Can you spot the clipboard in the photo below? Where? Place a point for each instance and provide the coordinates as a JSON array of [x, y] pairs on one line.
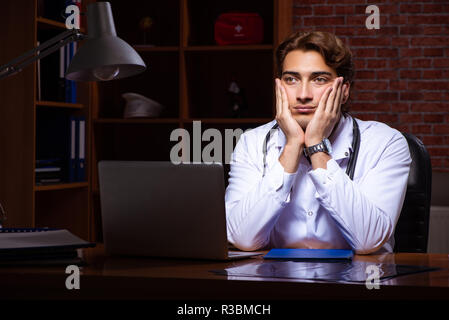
[[310, 254]]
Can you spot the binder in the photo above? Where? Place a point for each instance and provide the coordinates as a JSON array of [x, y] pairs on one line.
[[40, 246], [72, 152], [310, 254], [81, 163]]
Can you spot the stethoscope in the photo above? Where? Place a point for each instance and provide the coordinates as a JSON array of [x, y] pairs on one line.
[[352, 158]]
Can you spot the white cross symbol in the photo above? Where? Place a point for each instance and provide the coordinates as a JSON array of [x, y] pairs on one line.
[[238, 28]]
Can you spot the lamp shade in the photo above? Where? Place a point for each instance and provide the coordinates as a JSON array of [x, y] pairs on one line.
[[103, 56]]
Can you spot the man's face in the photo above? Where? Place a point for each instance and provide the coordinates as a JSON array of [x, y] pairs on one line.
[[305, 77]]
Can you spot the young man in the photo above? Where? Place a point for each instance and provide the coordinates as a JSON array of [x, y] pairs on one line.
[[288, 187]]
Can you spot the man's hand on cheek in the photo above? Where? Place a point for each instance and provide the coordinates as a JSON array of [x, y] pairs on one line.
[[326, 115]]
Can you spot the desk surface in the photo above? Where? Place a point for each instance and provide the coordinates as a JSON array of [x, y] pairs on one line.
[[147, 278]]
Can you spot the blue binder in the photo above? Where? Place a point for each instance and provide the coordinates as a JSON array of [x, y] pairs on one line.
[[81, 159], [73, 149], [310, 254]]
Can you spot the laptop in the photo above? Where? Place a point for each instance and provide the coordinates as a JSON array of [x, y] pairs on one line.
[[160, 209]]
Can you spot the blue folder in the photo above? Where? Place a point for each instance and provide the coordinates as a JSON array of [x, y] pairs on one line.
[[310, 254]]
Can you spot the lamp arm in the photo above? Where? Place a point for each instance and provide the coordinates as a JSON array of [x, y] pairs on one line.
[[17, 64]]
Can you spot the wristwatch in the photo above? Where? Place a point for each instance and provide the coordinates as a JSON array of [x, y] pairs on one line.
[[323, 146]]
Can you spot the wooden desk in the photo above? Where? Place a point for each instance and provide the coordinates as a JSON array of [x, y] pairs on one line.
[[184, 280]]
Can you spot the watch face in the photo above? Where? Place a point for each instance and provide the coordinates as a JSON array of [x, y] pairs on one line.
[[328, 145]]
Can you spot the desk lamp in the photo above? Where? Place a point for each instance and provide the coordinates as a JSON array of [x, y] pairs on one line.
[[102, 57]]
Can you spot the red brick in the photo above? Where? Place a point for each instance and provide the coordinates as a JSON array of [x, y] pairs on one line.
[[410, 8], [434, 118], [400, 107], [411, 95], [433, 140], [411, 118], [421, 63], [430, 41], [428, 85], [365, 74], [421, 128], [435, 8], [346, 1], [403, 62], [387, 96], [323, 21], [438, 151], [371, 85], [427, 19], [359, 63], [364, 96], [438, 63], [441, 129], [387, 52], [433, 96], [372, 42], [399, 42], [435, 30], [398, 85], [432, 74], [433, 52], [371, 107], [410, 74], [429, 107], [387, 118], [411, 30], [371, 63], [397, 19], [347, 10], [388, 31], [402, 127], [302, 2], [364, 52], [411, 52], [323, 10], [302, 11], [347, 31], [387, 74]]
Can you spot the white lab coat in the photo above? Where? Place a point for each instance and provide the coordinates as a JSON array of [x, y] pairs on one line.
[[318, 208]]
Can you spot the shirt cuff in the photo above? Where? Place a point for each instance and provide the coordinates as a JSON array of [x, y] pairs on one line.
[[282, 181], [324, 179]]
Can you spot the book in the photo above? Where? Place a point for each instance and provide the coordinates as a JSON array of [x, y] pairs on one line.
[[81, 159], [310, 254], [39, 245]]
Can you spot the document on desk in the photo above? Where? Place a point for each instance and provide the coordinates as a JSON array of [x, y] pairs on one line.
[[349, 271], [39, 244]]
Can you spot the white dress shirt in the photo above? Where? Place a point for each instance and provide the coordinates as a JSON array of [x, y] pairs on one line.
[[320, 208]]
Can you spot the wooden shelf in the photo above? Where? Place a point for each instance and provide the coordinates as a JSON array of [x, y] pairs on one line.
[[48, 23], [262, 47], [137, 121], [57, 104], [144, 48], [61, 186], [229, 120]]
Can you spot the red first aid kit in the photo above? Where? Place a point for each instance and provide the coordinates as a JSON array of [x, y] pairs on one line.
[[238, 28]]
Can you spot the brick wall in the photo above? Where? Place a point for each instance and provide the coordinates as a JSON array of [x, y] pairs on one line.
[[402, 69]]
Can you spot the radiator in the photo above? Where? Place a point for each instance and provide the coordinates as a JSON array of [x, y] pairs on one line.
[[438, 230]]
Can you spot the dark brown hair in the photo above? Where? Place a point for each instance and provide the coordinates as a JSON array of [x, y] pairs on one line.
[[335, 53]]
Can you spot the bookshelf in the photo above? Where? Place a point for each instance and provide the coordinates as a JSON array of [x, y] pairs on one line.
[[23, 116], [188, 73]]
